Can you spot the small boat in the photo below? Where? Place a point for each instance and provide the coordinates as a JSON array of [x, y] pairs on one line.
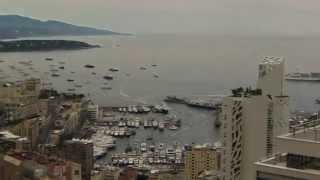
[[155, 75], [143, 147], [173, 127], [54, 70], [137, 124], [114, 69], [48, 59], [61, 67], [70, 80], [71, 89], [143, 68], [108, 77], [161, 126], [161, 109], [154, 65], [89, 66], [55, 75], [145, 124], [155, 124], [106, 88]]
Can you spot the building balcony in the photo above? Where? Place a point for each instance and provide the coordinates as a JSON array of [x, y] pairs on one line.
[[277, 168]]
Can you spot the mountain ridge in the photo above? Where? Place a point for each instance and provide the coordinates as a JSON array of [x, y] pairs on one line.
[[16, 26]]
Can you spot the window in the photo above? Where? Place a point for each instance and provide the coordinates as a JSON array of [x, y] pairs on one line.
[[76, 172]]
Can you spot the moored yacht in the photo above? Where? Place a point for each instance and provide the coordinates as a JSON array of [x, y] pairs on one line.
[[299, 76]]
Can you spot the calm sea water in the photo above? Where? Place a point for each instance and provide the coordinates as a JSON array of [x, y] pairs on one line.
[[187, 66]]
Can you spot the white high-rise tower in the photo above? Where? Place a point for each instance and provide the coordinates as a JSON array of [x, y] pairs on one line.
[[252, 119], [271, 76]]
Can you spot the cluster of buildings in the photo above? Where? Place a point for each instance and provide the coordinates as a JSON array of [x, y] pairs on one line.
[[35, 130], [30, 166]]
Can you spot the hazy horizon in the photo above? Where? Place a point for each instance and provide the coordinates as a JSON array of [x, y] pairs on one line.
[[276, 17]]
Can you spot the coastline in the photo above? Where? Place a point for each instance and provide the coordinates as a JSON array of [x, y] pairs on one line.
[[43, 45]]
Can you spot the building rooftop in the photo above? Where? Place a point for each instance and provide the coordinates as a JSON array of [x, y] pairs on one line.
[[271, 60], [305, 142]]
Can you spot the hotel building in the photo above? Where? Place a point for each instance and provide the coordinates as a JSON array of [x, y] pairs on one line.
[[251, 119]]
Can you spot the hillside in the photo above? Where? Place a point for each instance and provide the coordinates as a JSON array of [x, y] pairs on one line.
[[15, 26]]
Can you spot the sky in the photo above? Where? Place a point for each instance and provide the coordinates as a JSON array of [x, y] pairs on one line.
[[291, 17]]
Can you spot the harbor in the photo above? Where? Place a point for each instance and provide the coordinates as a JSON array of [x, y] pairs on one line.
[[156, 155], [147, 125]]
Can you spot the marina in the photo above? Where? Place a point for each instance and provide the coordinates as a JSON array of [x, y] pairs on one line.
[[156, 155]]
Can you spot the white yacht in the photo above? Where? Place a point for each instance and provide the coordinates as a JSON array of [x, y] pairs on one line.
[[299, 76]]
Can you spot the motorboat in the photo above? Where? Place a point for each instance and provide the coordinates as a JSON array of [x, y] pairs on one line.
[[114, 69], [108, 77], [55, 75], [89, 66]]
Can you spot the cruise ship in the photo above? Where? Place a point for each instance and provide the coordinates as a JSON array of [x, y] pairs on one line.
[[299, 76]]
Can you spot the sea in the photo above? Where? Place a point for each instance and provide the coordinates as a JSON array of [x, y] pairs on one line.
[[187, 65]]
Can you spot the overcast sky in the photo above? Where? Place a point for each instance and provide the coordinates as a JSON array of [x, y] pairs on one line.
[[178, 16]]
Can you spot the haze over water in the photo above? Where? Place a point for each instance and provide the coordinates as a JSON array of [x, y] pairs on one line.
[[187, 65]]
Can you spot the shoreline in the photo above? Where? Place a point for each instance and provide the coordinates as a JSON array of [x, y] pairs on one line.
[[43, 45]]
